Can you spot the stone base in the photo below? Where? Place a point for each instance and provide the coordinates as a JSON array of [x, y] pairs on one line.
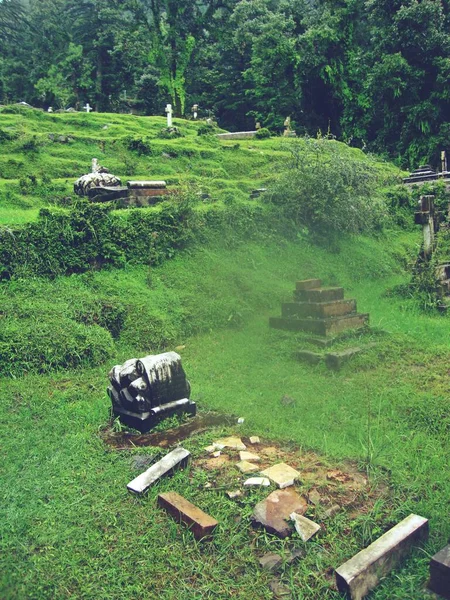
[[144, 422], [318, 310], [440, 573], [322, 327]]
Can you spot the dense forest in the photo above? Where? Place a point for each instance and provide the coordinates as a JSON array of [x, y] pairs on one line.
[[374, 73]]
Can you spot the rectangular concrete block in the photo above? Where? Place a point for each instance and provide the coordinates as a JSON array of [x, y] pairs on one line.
[[362, 573], [307, 284], [440, 573], [320, 294], [183, 511], [318, 310], [177, 458]]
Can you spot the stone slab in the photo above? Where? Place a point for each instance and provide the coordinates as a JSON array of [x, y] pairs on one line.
[[177, 458], [281, 474], [257, 481], [305, 528], [320, 294], [322, 327], [183, 511], [273, 512], [250, 456], [307, 284], [245, 466], [335, 360], [312, 358], [318, 310], [361, 574], [440, 573], [254, 439], [234, 443]]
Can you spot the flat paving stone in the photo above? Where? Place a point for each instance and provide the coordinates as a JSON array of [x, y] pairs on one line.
[[254, 439], [177, 458], [183, 511], [362, 573], [257, 481], [281, 474], [246, 467], [244, 455], [273, 512], [304, 526], [234, 443]]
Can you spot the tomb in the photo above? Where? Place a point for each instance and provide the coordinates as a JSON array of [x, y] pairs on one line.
[[440, 573], [318, 310], [145, 391]]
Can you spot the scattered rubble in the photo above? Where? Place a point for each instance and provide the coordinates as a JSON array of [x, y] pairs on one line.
[[272, 512], [234, 494], [254, 439], [305, 528], [246, 467], [314, 497], [244, 455], [257, 481], [281, 474], [234, 443]]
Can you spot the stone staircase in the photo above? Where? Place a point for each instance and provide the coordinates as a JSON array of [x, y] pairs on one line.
[[319, 310]]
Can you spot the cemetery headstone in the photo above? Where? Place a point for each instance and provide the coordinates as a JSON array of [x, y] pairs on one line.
[[169, 113]]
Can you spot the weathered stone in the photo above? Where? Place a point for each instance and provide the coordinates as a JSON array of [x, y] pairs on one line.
[[272, 512], [307, 284], [335, 360], [281, 474], [440, 573], [332, 511], [257, 481], [362, 573], [177, 458], [320, 294], [246, 467], [254, 439], [271, 561], [314, 497], [234, 443], [183, 511], [318, 310], [279, 590], [234, 494], [312, 358], [216, 454], [304, 527], [329, 326], [244, 455]]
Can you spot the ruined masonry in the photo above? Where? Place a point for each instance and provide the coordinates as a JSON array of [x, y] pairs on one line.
[[318, 310]]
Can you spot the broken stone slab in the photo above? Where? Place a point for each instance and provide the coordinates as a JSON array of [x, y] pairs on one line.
[[177, 458], [281, 474], [183, 511], [257, 481], [271, 561], [332, 511], [244, 455], [279, 590], [216, 454], [361, 574], [440, 573], [254, 439], [234, 443], [272, 512], [335, 360], [314, 497], [304, 526], [312, 358], [234, 494], [246, 467]]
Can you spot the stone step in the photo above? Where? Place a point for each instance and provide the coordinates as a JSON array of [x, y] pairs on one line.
[[308, 284], [321, 310], [319, 294], [323, 327]]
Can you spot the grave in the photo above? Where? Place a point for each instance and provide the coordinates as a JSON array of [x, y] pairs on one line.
[[145, 391], [318, 310], [440, 573]]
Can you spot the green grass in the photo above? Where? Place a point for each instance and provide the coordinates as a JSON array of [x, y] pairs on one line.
[[69, 528]]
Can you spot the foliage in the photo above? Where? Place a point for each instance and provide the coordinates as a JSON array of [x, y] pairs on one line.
[[140, 145], [262, 134], [207, 129], [326, 193], [167, 133]]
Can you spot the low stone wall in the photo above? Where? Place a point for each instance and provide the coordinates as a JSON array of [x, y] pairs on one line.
[[238, 135]]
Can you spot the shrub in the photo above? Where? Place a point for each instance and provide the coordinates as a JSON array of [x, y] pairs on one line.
[[168, 133], [207, 129], [262, 134], [139, 145], [326, 192]]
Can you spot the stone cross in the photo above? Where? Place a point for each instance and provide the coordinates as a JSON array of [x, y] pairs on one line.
[[94, 165], [88, 108], [444, 161], [169, 115], [195, 110]]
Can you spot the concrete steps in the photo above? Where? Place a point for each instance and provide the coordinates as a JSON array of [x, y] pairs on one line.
[[320, 311]]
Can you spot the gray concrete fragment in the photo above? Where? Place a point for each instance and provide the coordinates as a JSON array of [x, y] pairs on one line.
[[177, 457], [361, 574], [304, 527]]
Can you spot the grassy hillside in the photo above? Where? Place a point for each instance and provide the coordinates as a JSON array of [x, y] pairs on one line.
[[68, 527]]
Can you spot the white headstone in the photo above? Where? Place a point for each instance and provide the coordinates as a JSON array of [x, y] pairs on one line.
[[50, 109], [169, 115], [88, 108]]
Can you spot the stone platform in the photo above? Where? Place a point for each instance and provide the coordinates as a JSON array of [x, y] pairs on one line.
[[319, 310]]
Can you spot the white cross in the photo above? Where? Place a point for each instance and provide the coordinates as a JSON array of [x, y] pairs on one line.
[[94, 165], [88, 108], [169, 115]]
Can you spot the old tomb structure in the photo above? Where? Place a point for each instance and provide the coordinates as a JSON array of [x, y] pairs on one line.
[[102, 186], [145, 391], [318, 310], [440, 573], [425, 173]]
